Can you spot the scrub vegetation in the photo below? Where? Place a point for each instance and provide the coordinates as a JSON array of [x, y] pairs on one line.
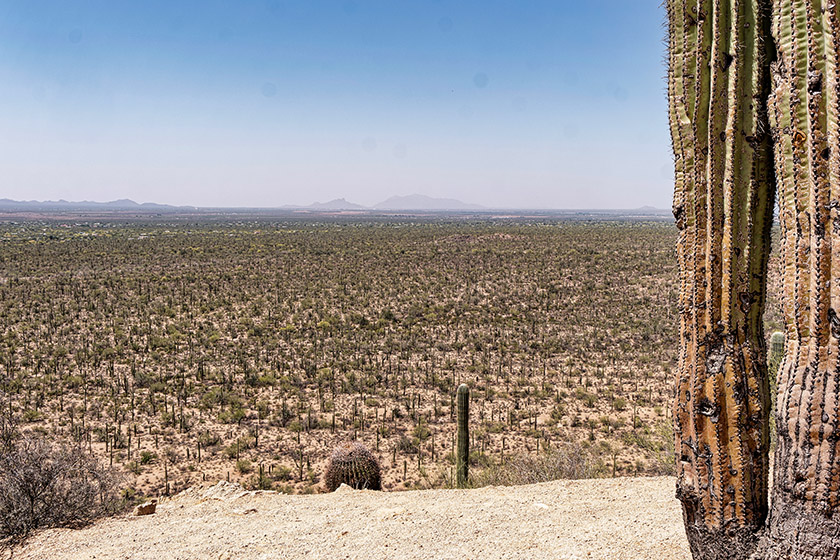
[[201, 350]]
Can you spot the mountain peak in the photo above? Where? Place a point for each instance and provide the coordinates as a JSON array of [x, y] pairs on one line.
[[424, 202], [336, 204]]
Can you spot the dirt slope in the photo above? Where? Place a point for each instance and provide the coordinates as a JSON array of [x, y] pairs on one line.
[[624, 518]]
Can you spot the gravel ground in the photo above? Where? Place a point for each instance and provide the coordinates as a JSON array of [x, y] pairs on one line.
[[622, 518]]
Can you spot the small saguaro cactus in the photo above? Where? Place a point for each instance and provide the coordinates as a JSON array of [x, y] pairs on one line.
[[777, 352], [462, 457], [354, 465]]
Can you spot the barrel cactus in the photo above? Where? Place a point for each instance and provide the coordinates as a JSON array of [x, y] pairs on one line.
[[354, 465]]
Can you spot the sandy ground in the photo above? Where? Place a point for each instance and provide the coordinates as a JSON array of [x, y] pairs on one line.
[[623, 518]]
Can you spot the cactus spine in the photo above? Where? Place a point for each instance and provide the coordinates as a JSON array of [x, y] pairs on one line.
[[462, 454], [718, 81], [804, 107]]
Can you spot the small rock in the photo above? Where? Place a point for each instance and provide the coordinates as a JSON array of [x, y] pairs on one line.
[[344, 488], [147, 508], [245, 511]]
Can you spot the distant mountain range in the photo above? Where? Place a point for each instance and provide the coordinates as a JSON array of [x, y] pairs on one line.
[[422, 202], [332, 205], [123, 204], [414, 202], [337, 204], [410, 203]]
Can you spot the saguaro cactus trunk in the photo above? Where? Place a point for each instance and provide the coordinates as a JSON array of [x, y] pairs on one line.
[[718, 82], [805, 102]]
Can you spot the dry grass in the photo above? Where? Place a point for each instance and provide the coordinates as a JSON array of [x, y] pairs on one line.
[[567, 462]]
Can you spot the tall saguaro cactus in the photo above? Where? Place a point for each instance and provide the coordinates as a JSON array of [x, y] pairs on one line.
[[462, 455], [723, 204], [805, 106]]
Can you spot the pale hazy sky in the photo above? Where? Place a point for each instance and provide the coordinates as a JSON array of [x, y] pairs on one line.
[[538, 103]]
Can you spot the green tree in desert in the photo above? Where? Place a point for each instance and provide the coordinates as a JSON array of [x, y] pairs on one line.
[[753, 91]]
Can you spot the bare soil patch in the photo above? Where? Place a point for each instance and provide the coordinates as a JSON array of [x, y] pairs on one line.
[[622, 518]]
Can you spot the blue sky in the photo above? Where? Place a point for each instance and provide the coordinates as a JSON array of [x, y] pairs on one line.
[[542, 103]]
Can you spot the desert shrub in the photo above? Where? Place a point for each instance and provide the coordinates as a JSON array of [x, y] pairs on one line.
[[282, 472], [243, 443], [172, 456], [259, 482], [143, 379], [659, 442], [44, 484], [354, 465], [32, 415], [147, 457], [495, 427], [209, 439], [168, 419], [572, 461], [234, 415], [407, 446], [422, 432]]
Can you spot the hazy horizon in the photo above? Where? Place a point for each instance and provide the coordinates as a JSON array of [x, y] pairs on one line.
[[315, 203], [278, 103]]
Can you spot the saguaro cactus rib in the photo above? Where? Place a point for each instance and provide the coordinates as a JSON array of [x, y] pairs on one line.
[[805, 521], [723, 207]]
